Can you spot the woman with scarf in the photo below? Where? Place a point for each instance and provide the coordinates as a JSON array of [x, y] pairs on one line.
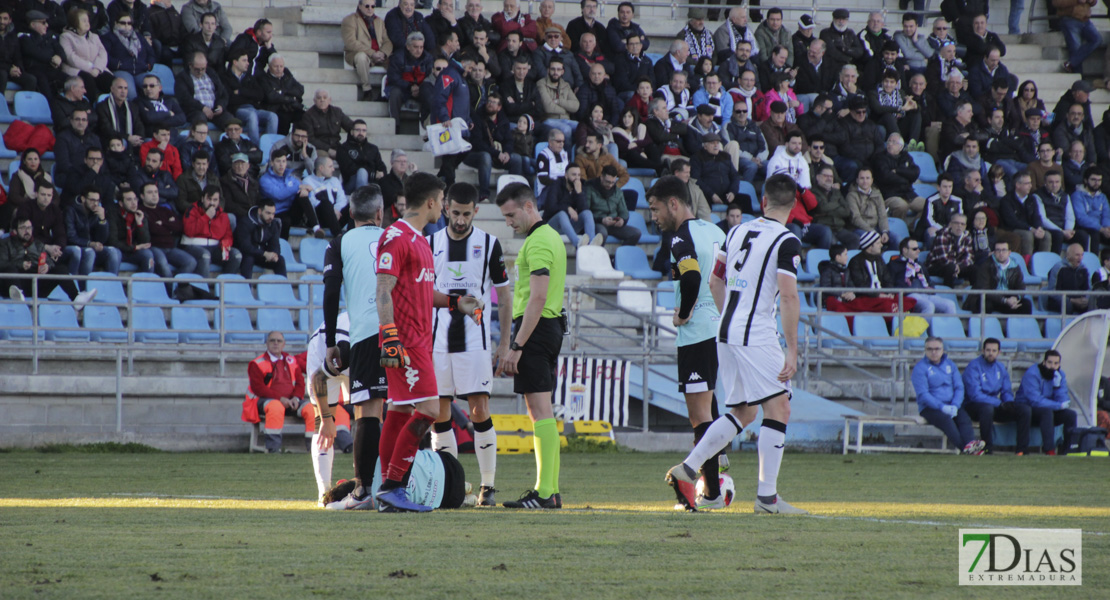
[[129, 54], [982, 238], [748, 93], [24, 185], [888, 105], [781, 91], [129, 231], [85, 55], [633, 144], [1026, 98], [941, 66]]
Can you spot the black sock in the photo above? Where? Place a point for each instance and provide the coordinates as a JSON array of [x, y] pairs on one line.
[[484, 425], [368, 433], [443, 427], [709, 469]]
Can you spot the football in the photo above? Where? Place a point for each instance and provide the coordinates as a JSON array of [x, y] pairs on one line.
[[728, 488]]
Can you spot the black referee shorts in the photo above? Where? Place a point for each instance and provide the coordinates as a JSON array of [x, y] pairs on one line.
[[539, 358], [367, 374], [697, 367]]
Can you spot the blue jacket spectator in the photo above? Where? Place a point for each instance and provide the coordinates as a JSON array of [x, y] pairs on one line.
[[1092, 211], [725, 102], [940, 397], [987, 383], [282, 189], [405, 69], [452, 97], [1044, 388], [1040, 392]]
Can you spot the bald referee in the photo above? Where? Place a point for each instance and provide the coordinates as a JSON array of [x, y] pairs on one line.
[[541, 275], [350, 262]]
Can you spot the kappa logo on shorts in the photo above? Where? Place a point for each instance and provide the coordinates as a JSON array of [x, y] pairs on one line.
[[411, 376], [695, 376], [356, 383]]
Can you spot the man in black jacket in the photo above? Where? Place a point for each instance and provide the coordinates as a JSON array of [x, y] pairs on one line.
[[239, 189], [519, 92], [42, 53], [895, 174], [208, 42], [11, 57], [630, 67], [714, 172], [282, 94], [69, 150], [258, 42], [257, 238], [816, 75], [167, 29], [493, 145], [234, 143], [856, 138], [360, 162], [119, 117]]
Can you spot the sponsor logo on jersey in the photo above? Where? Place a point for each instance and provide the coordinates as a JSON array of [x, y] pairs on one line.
[[411, 376], [385, 261], [428, 275], [457, 273], [737, 282]]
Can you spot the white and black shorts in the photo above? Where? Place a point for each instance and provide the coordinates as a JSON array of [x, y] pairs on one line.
[[697, 367], [462, 374], [367, 374], [751, 373]]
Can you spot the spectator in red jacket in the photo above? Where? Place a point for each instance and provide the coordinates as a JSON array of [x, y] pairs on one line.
[[513, 19], [276, 389], [208, 234]]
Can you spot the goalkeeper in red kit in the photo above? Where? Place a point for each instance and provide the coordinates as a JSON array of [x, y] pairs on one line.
[[406, 296]]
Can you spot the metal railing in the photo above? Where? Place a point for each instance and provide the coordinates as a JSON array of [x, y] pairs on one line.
[[789, 7]]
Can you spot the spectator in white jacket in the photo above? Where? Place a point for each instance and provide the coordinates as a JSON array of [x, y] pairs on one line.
[[327, 195], [789, 160]]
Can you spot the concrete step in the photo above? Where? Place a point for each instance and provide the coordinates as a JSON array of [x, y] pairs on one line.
[[1025, 68]]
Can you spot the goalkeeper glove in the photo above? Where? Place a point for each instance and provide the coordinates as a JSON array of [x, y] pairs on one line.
[[394, 354]]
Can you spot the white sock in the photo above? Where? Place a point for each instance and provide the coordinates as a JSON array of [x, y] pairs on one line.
[[321, 465], [487, 456], [771, 443], [719, 435], [445, 442]]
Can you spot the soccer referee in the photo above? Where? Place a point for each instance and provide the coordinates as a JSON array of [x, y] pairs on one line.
[[541, 273]]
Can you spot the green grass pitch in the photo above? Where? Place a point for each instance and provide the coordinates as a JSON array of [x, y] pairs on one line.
[[75, 525]]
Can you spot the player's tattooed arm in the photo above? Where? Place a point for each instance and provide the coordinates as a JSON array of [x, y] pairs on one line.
[[384, 296]]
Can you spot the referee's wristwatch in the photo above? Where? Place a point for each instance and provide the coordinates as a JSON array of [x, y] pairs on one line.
[[515, 347]]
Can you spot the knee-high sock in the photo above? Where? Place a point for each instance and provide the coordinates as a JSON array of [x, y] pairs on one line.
[[443, 439], [547, 455], [321, 463], [391, 428], [558, 463], [408, 442], [485, 448], [719, 435], [709, 470], [368, 434], [772, 440]]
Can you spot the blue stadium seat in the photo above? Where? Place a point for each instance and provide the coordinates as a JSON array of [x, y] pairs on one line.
[[888, 255], [279, 319], [1052, 328], [654, 56], [56, 318], [33, 108], [749, 189], [927, 165], [105, 318], [107, 292], [539, 148], [149, 292], [993, 329], [636, 220], [236, 291], [1043, 263], [814, 257], [640, 172], [292, 265], [165, 75], [312, 253], [295, 232], [191, 323], [150, 326], [898, 228], [316, 291], [308, 324], [268, 140], [16, 323], [836, 324], [951, 329], [13, 168], [872, 328], [4, 152], [924, 189], [238, 328], [634, 263], [665, 297], [641, 194], [1028, 332], [6, 115], [1030, 279], [277, 293], [1090, 260], [185, 279]]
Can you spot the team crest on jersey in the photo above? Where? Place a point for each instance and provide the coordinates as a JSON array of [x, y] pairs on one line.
[[797, 261], [476, 252], [385, 261]]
